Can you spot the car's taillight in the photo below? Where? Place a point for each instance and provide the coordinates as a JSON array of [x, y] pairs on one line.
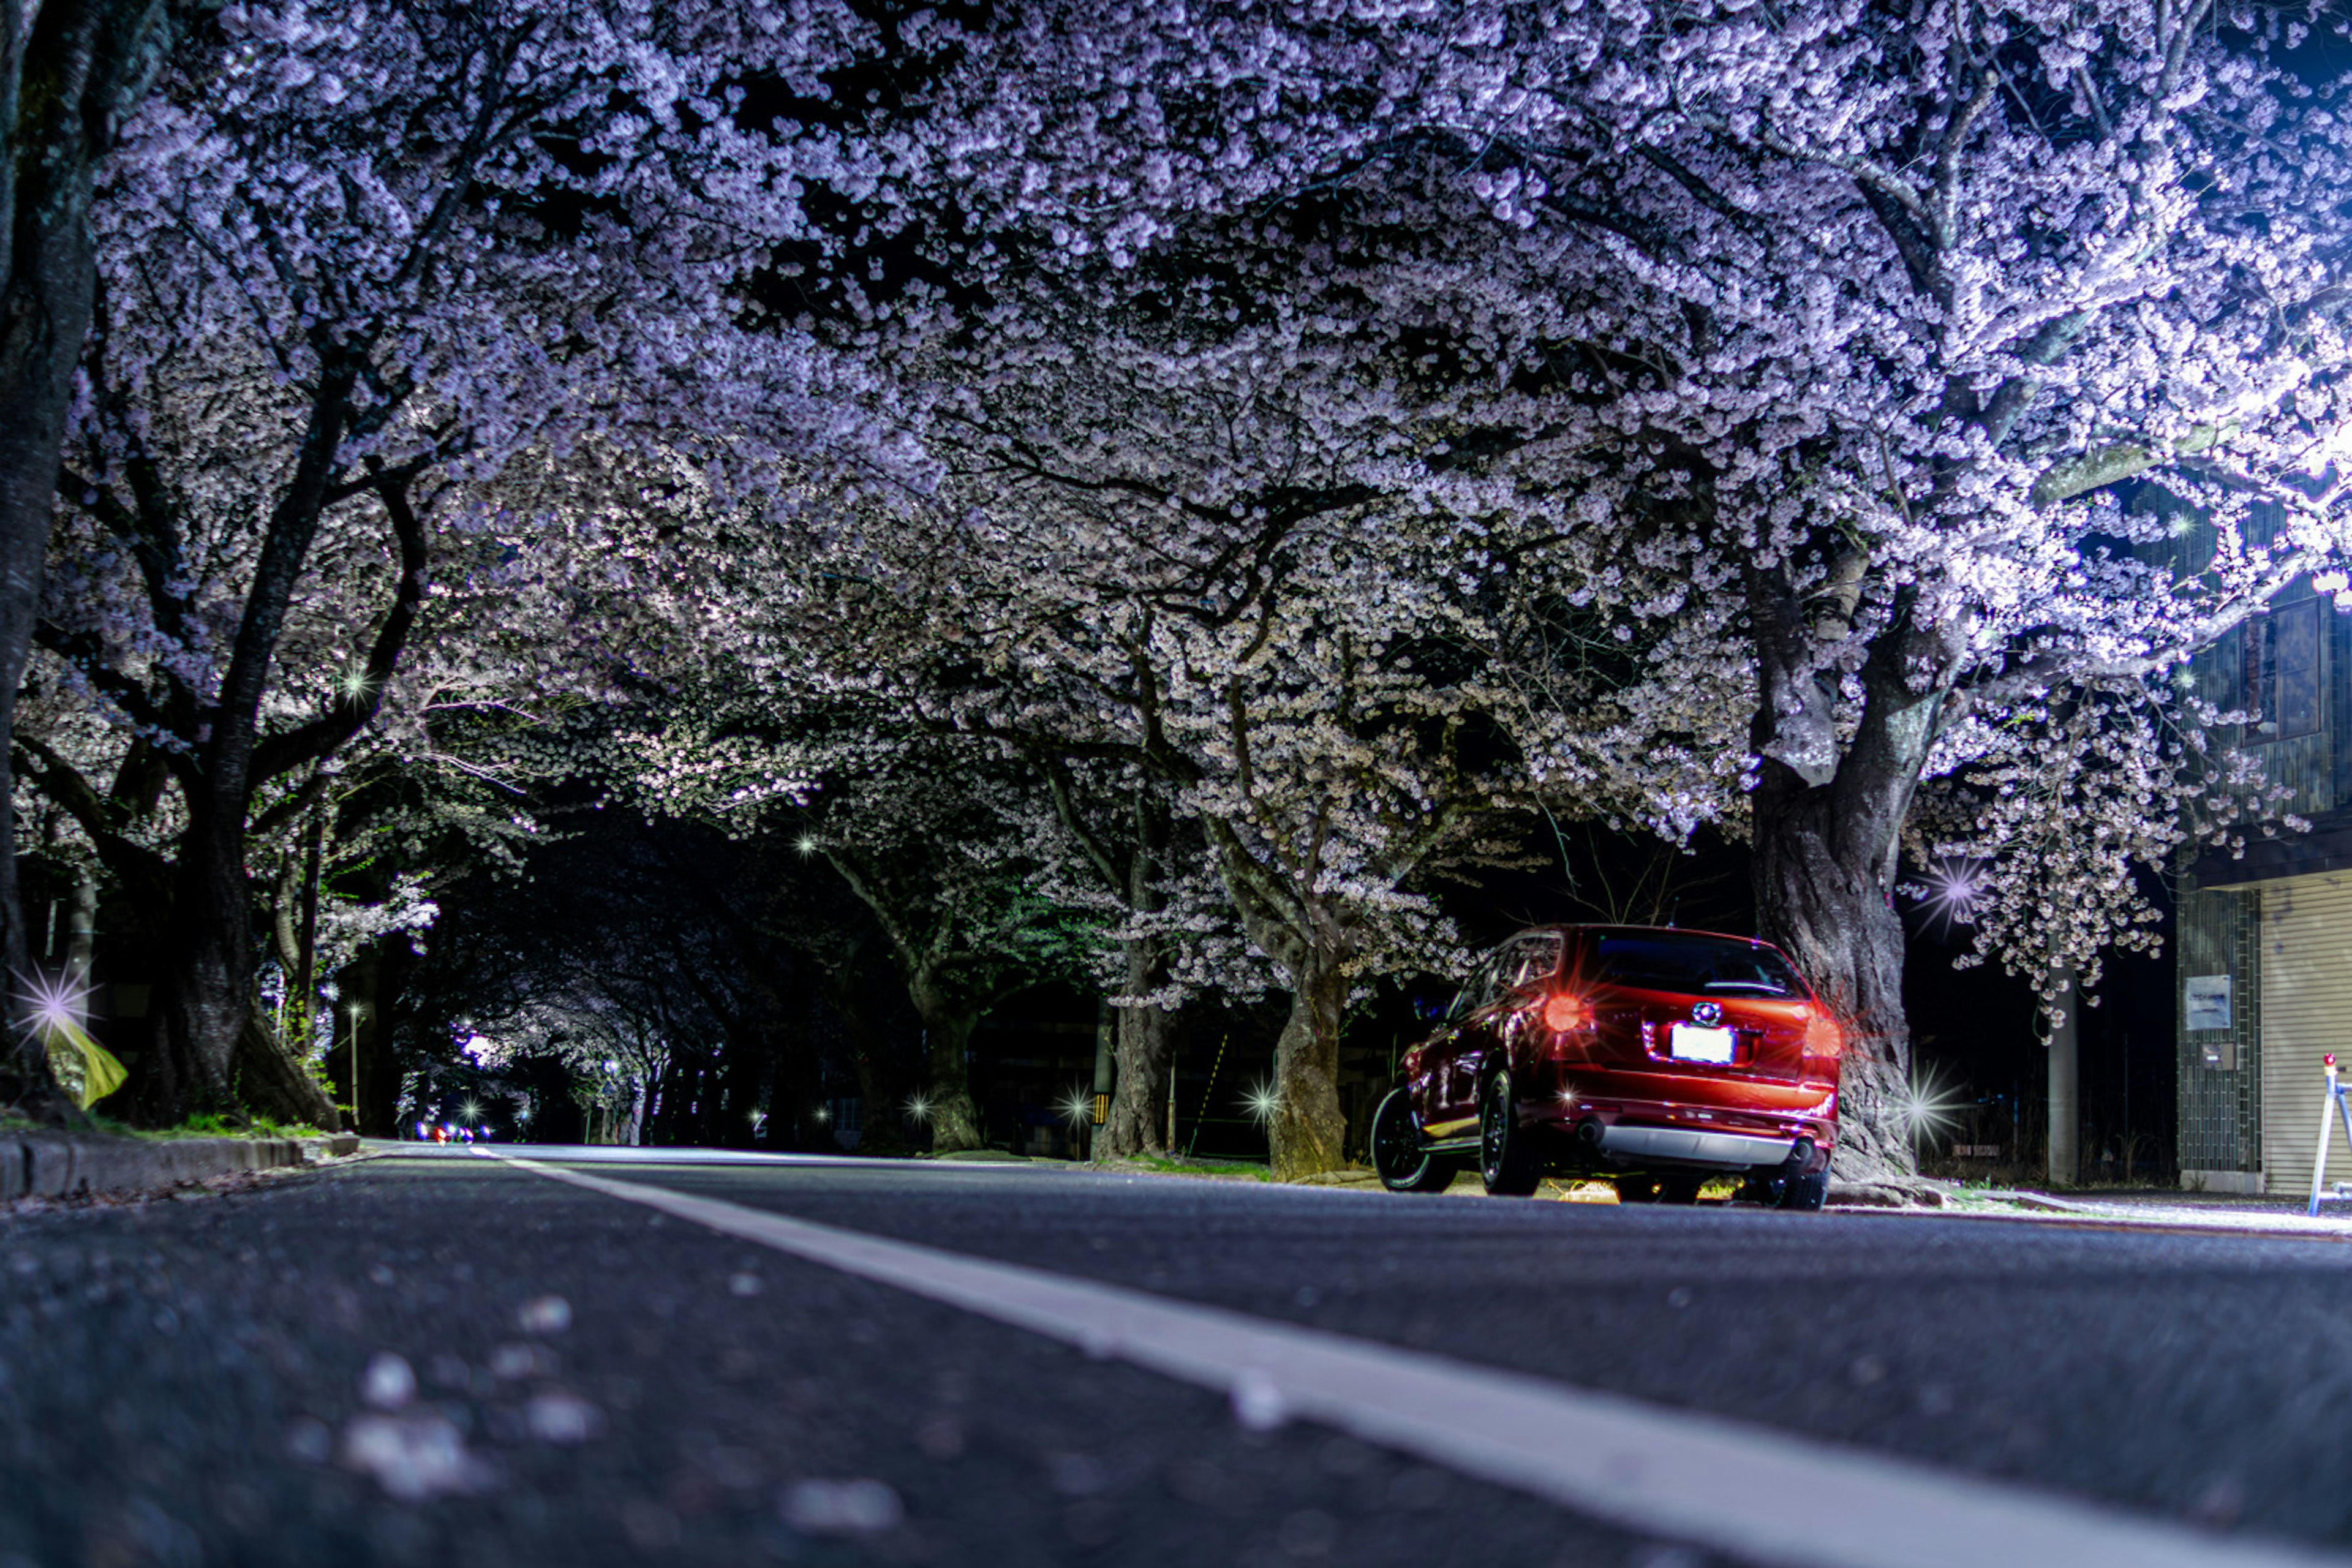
[[1822, 1037], [1564, 1011]]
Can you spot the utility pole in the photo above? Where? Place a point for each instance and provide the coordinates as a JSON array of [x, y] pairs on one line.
[[1106, 1069], [2065, 1082]]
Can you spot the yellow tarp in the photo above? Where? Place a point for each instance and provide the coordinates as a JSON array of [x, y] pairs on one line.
[[81, 1064]]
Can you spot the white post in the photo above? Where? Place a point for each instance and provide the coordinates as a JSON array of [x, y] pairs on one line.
[[352, 1011], [2065, 1104], [2327, 1120]]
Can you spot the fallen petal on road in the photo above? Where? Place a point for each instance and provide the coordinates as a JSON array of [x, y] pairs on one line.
[[842, 1508], [545, 1315], [389, 1383], [557, 1415], [414, 1456], [516, 1362]]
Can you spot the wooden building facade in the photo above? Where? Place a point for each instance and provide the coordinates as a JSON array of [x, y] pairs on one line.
[[2264, 952]]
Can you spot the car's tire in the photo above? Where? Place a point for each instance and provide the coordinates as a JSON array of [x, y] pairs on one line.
[[1637, 1189], [1681, 1187], [1806, 1194], [1508, 1162], [1404, 1165]]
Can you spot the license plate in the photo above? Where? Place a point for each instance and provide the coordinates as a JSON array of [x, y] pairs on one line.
[[1689, 1043]]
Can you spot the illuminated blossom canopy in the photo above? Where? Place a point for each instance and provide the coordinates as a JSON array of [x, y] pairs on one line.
[[1335, 425], [1854, 363], [398, 304]]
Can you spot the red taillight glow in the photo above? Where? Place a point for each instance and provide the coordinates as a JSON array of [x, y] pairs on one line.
[[1563, 1012], [1822, 1038]]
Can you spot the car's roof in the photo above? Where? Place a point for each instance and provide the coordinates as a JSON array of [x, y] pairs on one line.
[[1615, 930]]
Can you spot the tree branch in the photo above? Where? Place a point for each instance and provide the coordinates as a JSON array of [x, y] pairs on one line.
[[358, 702]]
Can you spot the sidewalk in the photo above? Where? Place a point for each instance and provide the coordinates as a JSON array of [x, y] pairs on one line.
[[2153, 1208], [37, 1165]]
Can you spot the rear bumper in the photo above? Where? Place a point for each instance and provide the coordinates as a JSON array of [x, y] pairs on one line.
[[1688, 1146], [1718, 1124]]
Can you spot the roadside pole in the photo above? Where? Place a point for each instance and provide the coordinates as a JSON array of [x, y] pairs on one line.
[[1106, 1070], [2065, 1099], [351, 1011]]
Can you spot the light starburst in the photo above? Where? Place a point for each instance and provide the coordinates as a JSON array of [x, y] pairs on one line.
[[1261, 1100], [919, 1106], [1952, 890], [1926, 1106], [54, 1003], [1076, 1106]]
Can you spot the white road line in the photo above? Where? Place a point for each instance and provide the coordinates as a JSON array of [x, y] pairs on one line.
[[1748, 1491], [630, 1154]]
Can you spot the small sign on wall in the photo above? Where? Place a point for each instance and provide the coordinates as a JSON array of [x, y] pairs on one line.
[[2207, 1001]]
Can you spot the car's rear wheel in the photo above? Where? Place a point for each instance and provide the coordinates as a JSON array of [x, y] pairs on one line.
[[1507, 1162], [1404, 1165], [1806, 1194]]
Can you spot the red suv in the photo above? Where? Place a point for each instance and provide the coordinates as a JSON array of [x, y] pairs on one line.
[[1657, 1056]]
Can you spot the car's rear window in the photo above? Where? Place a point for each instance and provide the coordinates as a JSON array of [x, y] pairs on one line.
[[1700, 966]]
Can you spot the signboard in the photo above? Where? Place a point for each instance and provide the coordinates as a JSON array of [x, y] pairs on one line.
[[2207, 1003]]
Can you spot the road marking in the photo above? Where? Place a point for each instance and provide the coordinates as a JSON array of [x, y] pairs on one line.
[[627, 1155], [1748, 1491]]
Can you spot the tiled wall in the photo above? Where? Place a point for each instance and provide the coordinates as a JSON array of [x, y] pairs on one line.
[[2220, 1108]]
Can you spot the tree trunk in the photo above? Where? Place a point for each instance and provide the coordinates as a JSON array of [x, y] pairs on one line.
[[948, 1023], [1307, 1134], [271, 1080], [1827, 822], [207, 988], [1146, 1048], [1835, 918], [65, 88]]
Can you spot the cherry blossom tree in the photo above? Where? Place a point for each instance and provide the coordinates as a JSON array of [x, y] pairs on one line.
[[1827, 343], [71, 73], [2073, 250], [351, 265], [1187, 545]]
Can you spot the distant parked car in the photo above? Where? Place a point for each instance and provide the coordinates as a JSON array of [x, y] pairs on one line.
[[1659, 1058]]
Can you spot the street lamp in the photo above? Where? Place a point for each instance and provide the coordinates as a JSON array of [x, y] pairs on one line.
[[1078, 1109]]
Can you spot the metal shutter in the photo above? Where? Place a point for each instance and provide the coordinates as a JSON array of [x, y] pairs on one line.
[[2306, 979]]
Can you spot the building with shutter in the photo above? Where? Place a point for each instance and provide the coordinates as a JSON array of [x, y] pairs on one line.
[[2264, 949]]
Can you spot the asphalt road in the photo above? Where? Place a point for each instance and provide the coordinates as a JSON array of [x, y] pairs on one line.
[[440, 1358]]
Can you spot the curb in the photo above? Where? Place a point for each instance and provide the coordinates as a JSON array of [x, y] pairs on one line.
[[60, 1165]]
